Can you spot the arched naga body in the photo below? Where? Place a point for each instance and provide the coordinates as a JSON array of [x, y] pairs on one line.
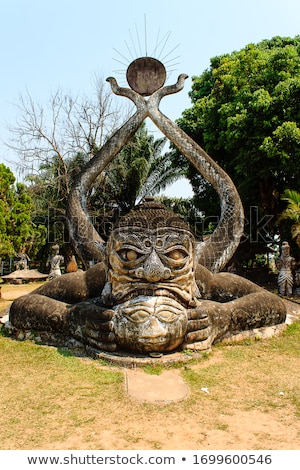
[[153, 288]]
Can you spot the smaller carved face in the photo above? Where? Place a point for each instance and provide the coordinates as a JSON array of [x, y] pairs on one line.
[[150, 324]]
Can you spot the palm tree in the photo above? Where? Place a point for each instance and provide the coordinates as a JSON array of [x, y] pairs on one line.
[[292, 212], [140, 170]]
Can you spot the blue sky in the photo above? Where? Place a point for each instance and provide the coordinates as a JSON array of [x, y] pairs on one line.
[[51, 44]]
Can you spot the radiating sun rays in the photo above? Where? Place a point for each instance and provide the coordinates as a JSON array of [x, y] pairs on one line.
[[143, 42]]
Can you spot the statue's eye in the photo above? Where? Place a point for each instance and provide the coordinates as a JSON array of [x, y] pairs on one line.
[[177, 254], [128, 255], [138, 317], [167, 316]]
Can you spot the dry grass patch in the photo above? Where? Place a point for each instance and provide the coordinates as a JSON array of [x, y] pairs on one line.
[[53, 400]]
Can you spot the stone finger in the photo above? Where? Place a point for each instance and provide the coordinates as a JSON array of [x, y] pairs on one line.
[[98, 345], [198, 335], [198, 324], [97, 326], [99, 335], [196, 314]]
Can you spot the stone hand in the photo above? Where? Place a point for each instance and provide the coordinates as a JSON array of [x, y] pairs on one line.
[[92, 325], [199, 330]]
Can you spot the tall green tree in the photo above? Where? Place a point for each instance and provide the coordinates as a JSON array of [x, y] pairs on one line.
[[246, 114], [7, 180], [17, 229]]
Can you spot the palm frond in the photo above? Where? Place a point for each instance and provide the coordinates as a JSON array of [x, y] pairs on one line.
[[291, 196], [292, 211]]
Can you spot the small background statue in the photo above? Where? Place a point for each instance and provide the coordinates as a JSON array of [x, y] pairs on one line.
[[54, 262], [286, 265], [231, 269], [22, 262], [71, 265], [297, 282]]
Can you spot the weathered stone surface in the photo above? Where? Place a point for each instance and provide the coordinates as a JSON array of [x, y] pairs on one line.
[[155, 289], [149, 297], [146, 75]]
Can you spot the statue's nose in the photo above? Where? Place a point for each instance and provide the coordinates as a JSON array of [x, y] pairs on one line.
[[153, 329], [154, 270]]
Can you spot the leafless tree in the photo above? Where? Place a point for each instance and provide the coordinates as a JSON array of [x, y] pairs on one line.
[[63, 127]]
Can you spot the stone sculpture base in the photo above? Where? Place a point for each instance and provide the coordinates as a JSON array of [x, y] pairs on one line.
[[21, 276], [134, 360]]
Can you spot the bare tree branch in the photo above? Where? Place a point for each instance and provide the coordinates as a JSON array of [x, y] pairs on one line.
[[63, 127]]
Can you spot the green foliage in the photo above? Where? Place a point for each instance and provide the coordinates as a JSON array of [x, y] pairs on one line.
[[246, 114], [140, 169], [293, 208], [49, 188], [7, 180], [292, 212], [17, 230]]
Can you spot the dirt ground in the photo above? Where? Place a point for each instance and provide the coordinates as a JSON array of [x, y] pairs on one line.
[[13, 291], [237, 428]]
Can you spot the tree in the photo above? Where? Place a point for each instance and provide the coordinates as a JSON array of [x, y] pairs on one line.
[[292, 212], [53, 142], [49, 192], [246, 114], [17, 230], [7, 180], [140, 170], [64, 127], [57, 142]]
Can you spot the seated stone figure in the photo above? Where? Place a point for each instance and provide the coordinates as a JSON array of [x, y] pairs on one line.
[[150, 295], [154, 288], [22, 260]]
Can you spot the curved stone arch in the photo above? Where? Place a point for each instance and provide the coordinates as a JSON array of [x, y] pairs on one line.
[[219, 247]]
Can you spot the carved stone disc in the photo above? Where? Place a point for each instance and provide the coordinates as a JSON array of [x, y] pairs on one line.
[[146, 75]]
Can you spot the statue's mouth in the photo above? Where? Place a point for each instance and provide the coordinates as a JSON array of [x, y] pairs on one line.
[[153, 293]]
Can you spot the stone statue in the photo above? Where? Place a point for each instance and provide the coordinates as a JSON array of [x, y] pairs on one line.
[[231, 269], [151, 294], [286, 265], [71, 265], [23, 259], [297, 282], [54, 261], [154, 288]]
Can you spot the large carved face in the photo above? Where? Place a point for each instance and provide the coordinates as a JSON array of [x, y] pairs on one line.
[[152, 281]]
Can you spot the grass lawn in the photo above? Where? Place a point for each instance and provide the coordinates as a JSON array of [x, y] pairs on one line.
[[53, 400]]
